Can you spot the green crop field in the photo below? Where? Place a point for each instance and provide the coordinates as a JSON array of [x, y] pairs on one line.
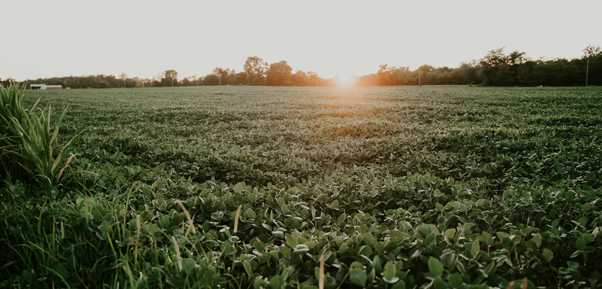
[[394, 187]]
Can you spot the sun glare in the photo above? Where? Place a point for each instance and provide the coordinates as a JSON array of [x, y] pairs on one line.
[[344, 80]]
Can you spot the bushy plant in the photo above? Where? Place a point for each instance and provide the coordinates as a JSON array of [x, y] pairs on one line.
[[30, 143]]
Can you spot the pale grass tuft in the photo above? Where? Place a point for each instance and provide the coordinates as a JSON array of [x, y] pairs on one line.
[[68, 161], [138, 227], [236, 219], [175, 244], [321, 282], [187, 217]]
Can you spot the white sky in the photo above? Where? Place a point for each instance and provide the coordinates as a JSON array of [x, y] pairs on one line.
[[144, 38]]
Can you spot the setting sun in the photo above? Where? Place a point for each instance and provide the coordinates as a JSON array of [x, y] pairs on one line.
[[344, 80]]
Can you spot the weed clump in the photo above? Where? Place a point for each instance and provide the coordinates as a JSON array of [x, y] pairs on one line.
[[30, 147]]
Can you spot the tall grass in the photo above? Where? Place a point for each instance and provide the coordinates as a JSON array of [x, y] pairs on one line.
[[30, 144]]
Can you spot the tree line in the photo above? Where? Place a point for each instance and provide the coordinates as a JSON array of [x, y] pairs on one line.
[[499, 69], [495, 69], [256, 72]]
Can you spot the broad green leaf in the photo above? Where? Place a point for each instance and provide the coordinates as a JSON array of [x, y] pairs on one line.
[[438, 283], [341, 218], [448, 258], [547, 254], [358, 277], [291, 241], [368, 238], [467, 228], [278, 234], [455, 280], [389, 273], [399, 285], [586, 207], [258, 283], [398, 236], [435, 267], [239, 187], [430, 238], [188, 265], [216, 216], [531, 245], [259, 246], [247, 265], [474, 250], [501, 235], [363, 229], [537, 239], [251, 214], [334, 204], [487, 239], [377, 265], [277, 282], [449, 233], [580, 244]]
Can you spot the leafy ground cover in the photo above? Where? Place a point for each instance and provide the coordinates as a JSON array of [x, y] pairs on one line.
[[397, 187]]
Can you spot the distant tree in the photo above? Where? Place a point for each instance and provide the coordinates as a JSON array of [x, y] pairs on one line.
[[468, 72], [223, 75], [592, 50], [256, 69], [170, 77], [211, 79], [123, 77], [238, 78], [385, 75], [279, 74], [314, 80], [593, 71], [300, 78], [497, 67]]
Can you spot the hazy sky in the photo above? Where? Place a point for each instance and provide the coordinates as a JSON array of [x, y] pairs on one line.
[[143, 38]]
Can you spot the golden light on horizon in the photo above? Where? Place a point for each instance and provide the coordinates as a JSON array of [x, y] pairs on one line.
[[345, 80]]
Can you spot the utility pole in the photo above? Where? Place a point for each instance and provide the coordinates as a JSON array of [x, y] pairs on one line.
[[587, 70], [419, 72]]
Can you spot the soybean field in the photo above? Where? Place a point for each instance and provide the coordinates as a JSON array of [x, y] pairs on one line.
[[290, 187]]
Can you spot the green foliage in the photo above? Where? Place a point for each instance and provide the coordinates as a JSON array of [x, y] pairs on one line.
[[30, 142], [396, 188]]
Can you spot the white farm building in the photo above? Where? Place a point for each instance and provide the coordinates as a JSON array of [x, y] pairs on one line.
[[44, 86]]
